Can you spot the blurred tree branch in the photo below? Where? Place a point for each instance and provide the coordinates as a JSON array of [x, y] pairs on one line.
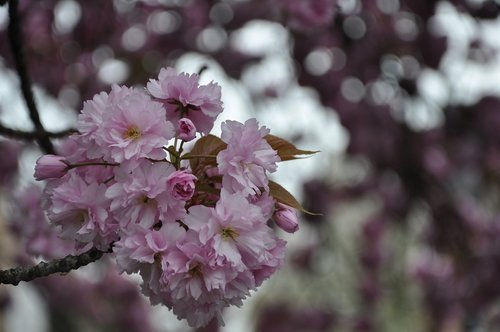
[[15, 275], [28, 135], [16, 42]]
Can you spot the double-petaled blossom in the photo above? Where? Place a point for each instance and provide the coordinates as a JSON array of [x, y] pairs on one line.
[[184, 97], [143, 250], [235, 229], [201, 284], [124, 126], [81, 209], [247, 157], [89, 121], [142, 196], [230, 252]]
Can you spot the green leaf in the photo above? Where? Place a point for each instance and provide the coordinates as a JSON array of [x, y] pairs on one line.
[[209, 145], [286, 150], [283, 196]]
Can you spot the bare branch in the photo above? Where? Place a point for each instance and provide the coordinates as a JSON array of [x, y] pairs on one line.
[[43, 269], [16, 42], [28, 135]]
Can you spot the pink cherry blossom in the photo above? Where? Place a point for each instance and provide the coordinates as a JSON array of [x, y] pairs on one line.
[[130, 127], [181, 185], [81, 210], [199, 285], [274, 256], [247, 157], [50, 166], [233, 228], [139, 248], [266, 203], [142, 196], [184, 97], [89, 121]]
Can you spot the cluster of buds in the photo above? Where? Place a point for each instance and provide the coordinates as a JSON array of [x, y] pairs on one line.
[[196, 224]]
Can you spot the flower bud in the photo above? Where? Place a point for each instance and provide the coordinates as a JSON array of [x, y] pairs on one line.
[[286, 218], [186, 130], [50, 166], [181, 185]]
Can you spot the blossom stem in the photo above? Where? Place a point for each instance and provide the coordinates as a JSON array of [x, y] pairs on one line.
[[91, 163], [194, 156], [158, 160], [15, 275]]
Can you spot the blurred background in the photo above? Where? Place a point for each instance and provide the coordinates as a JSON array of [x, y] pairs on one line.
[[400, 96]]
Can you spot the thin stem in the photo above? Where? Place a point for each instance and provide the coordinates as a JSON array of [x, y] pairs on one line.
[[92, 163], [43, 269], [181, 147], [158, 160], [202, 69], [194, 156], [16, 42]]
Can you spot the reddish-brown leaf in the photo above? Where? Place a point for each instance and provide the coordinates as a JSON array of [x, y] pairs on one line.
[[285, 149], [209, 145], [283, 196]]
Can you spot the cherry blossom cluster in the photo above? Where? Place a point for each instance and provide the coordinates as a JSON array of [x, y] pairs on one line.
[[196, 224]]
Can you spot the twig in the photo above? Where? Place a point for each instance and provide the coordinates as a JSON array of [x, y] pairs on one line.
[[202, 69], [43, 269], [28, 135], [16, 42]]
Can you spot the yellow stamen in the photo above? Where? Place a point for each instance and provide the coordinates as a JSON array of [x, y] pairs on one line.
[[195, 271], [228, 232], [143, 199], [132, 133]]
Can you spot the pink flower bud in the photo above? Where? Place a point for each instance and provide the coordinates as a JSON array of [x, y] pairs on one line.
[[186, 129], [286, 218], [181, 185], [50, 166], [212, 171]]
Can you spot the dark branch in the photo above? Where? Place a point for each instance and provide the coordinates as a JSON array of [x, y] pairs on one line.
[[28, 135], [202, 69], [16, 42], [43, 269]]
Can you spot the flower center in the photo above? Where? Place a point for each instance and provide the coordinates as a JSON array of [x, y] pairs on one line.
[[195, 271], [143, 199], [132, 133], [229, 233], [82, 216]]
